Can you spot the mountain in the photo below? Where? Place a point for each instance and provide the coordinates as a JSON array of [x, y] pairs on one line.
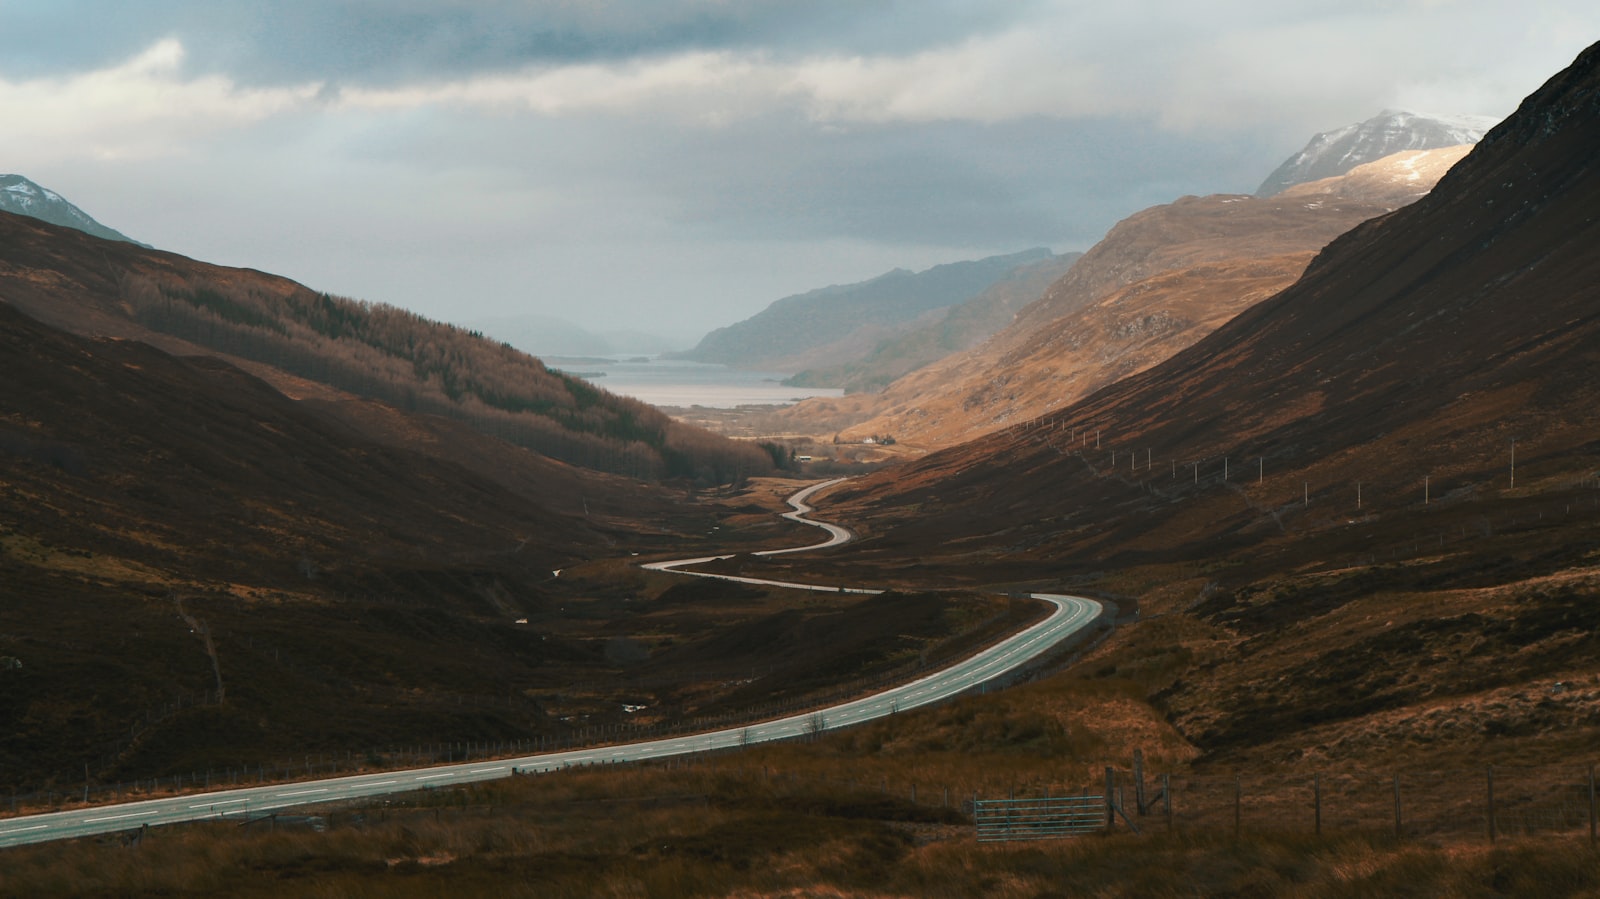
[[1160, 280], [1391, 131], [1358, 519], [23, 197], [313, 345], [194, 566], [841, 323], [1460, 321], [961, 327]]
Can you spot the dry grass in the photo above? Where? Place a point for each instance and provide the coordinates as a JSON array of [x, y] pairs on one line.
[[833, 817], [706, 831]]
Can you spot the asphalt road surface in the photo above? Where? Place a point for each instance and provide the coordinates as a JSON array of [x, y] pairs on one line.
[[1072, 615]]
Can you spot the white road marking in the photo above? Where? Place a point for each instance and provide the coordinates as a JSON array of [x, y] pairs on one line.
[[118, 817], [433, 776], [219, 802], [301, 792]]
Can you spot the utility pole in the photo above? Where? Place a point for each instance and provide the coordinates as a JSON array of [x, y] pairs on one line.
[[1425, 492], [1261, 470], [1513, 464], [1358, 496]]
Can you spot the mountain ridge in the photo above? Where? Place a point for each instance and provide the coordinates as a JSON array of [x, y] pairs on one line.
[[1332, 153], [1358, 520], [959, 328], [841, 322], [313, 344], [23, 196], [1160, 279]]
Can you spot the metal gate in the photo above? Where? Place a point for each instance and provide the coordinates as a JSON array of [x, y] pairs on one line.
[[1000, 820]]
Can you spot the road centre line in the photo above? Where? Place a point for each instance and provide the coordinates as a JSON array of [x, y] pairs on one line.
[[219, 802], [117, 817]]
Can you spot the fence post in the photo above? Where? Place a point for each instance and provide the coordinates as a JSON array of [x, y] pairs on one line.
[[1489, 784], [1138, 780], [1111, 786], [1316, 794], [1166, 798], [1397, 822], [1591, 806], [1236, 804]]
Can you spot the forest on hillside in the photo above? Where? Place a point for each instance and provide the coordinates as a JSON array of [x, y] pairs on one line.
[[398, 357]]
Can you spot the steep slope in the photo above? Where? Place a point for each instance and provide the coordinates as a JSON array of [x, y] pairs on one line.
[[23, 197], [1461, 321], [836, 324], [1367, 506], [312, 344], [1392, 131], [193, 566], [1159, 281], [961, 327]]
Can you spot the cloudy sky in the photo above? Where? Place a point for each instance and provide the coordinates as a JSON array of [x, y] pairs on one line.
[[675, 165]]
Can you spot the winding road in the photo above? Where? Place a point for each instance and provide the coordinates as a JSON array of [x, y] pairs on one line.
[[1072, 614]]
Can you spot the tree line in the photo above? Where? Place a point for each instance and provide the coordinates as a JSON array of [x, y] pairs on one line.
[[395, 356]]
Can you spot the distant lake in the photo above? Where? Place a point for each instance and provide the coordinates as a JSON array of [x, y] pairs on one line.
[[675, 382]]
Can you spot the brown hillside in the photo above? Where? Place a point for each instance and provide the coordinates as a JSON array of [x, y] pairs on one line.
[[1159, 281], [175, 533], [313, 344], [198, 573]]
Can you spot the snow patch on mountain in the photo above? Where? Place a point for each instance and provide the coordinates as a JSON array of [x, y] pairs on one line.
[[24, 197], [1336, 152]]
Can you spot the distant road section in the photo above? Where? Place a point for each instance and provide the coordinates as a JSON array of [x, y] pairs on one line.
[[1072, 615]]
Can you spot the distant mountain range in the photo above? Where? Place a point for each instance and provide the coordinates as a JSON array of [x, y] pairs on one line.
[[1160, 280], [843, 323], [957, 328], [24, 197], [1336, 152]]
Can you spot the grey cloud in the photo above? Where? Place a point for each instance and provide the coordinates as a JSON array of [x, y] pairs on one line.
[[1006, 185], [378, 43]]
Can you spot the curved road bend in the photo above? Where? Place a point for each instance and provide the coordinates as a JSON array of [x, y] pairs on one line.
[[1072, 614]]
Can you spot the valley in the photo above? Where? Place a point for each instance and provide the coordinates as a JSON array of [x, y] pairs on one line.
[[1275, 515], [1072, 619]]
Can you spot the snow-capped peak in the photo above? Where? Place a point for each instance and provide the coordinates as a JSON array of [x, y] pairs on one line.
[[1392, 131], [24, 197]]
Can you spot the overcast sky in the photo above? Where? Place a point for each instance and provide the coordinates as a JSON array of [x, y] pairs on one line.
[[675, 165]]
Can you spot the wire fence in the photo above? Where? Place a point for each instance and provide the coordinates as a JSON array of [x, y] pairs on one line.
[[1491, 802]]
